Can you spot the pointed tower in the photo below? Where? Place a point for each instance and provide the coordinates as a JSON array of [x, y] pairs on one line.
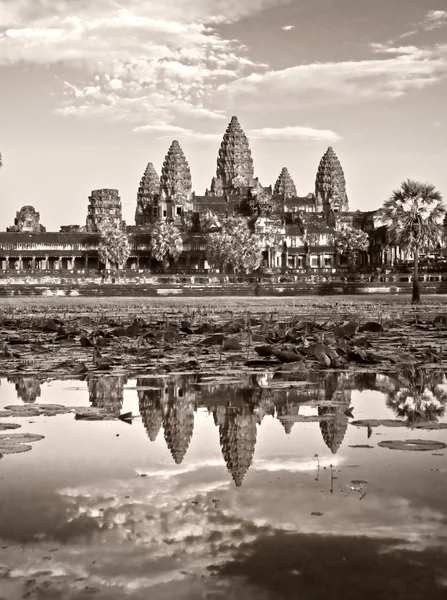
[[147, 197], [333, 430], [178, 425], [238, 440], [175, 183], [234, 164], [330, 184], [285, 186], [151, 413]]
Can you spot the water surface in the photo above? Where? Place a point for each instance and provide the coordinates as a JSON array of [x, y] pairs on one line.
[[253, 487]]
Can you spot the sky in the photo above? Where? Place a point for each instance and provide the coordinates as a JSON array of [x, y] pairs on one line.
[[90, 92]]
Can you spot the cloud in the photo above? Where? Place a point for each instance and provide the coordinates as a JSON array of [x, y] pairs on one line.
[[292, 134], [166, 130], [150, 60], [402, 69], [288, 27], [435, 19]]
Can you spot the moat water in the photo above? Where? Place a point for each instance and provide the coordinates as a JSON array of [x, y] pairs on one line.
[[256, 487]]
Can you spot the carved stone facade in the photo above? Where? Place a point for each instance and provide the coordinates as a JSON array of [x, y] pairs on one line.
[[330, 184], [235, 171], [27, 220], [285, 186], [237, 435], [104, 206], [148, 197], [299, 231], [175, 184]]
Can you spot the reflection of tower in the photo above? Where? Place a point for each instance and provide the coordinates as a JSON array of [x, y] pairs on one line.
[[27, 388], [107, 392], [151, 412], [284, 411], [334, 429], [178, 425], [237, 432]]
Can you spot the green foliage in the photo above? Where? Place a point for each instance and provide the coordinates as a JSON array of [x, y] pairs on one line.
[[234, 245], [418, 395], [413, 216], [166, 242], [350, 241], [209, 221], [113, 247]]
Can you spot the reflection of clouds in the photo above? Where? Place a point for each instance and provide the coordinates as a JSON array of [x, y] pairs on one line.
[[174, 517]]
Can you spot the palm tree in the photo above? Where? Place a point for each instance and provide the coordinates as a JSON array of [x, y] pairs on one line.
[[166, 242], [413, 218]]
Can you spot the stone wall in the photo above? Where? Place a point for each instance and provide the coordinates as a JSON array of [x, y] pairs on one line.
[[139, 284]]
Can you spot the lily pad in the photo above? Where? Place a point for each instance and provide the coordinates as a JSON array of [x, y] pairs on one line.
[[5, 426], [18, 438], [7, 448], [413, 445], [379, 422]]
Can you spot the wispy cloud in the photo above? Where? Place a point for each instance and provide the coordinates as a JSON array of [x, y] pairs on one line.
[[435, 19], [401, 70], [162, 131], [288, 27], [292, 134]]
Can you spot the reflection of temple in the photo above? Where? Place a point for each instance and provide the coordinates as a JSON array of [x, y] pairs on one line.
[[237, 433], [107, 392], [334, 429], [178, 425], [27, 388], [151, 405], [238, 408]]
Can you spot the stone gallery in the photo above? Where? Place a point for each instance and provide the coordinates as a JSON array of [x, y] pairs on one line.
[[300, 232]]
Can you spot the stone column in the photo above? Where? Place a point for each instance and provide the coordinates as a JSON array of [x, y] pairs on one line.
[[7, 263], [85, 261]]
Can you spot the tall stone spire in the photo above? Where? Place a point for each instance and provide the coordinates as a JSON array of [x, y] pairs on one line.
[[175, 178], [148, 193], [234, 163], [330, 184], [238, 440], [178, 425], [285, 186]]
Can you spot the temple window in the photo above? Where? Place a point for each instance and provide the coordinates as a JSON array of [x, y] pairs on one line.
[[328, 261], [164, 213], [314, 261], [179, 210]]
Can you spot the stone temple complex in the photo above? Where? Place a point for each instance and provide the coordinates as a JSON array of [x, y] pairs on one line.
[[302, 227]]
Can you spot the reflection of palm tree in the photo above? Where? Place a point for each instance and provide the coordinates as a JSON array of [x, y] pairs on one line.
[[418, 394], [237, 432]]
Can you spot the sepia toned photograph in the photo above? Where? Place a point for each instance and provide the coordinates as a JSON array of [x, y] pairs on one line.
[[223, 300]]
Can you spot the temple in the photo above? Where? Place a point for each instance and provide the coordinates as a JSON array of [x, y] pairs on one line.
[[299, 231]]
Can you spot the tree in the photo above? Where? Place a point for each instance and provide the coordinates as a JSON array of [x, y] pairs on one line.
[[113, 247], [166, 242], [350, 241], [413, 218], [234, 245]]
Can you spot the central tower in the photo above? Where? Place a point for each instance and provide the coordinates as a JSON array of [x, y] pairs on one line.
[[234, 164]]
